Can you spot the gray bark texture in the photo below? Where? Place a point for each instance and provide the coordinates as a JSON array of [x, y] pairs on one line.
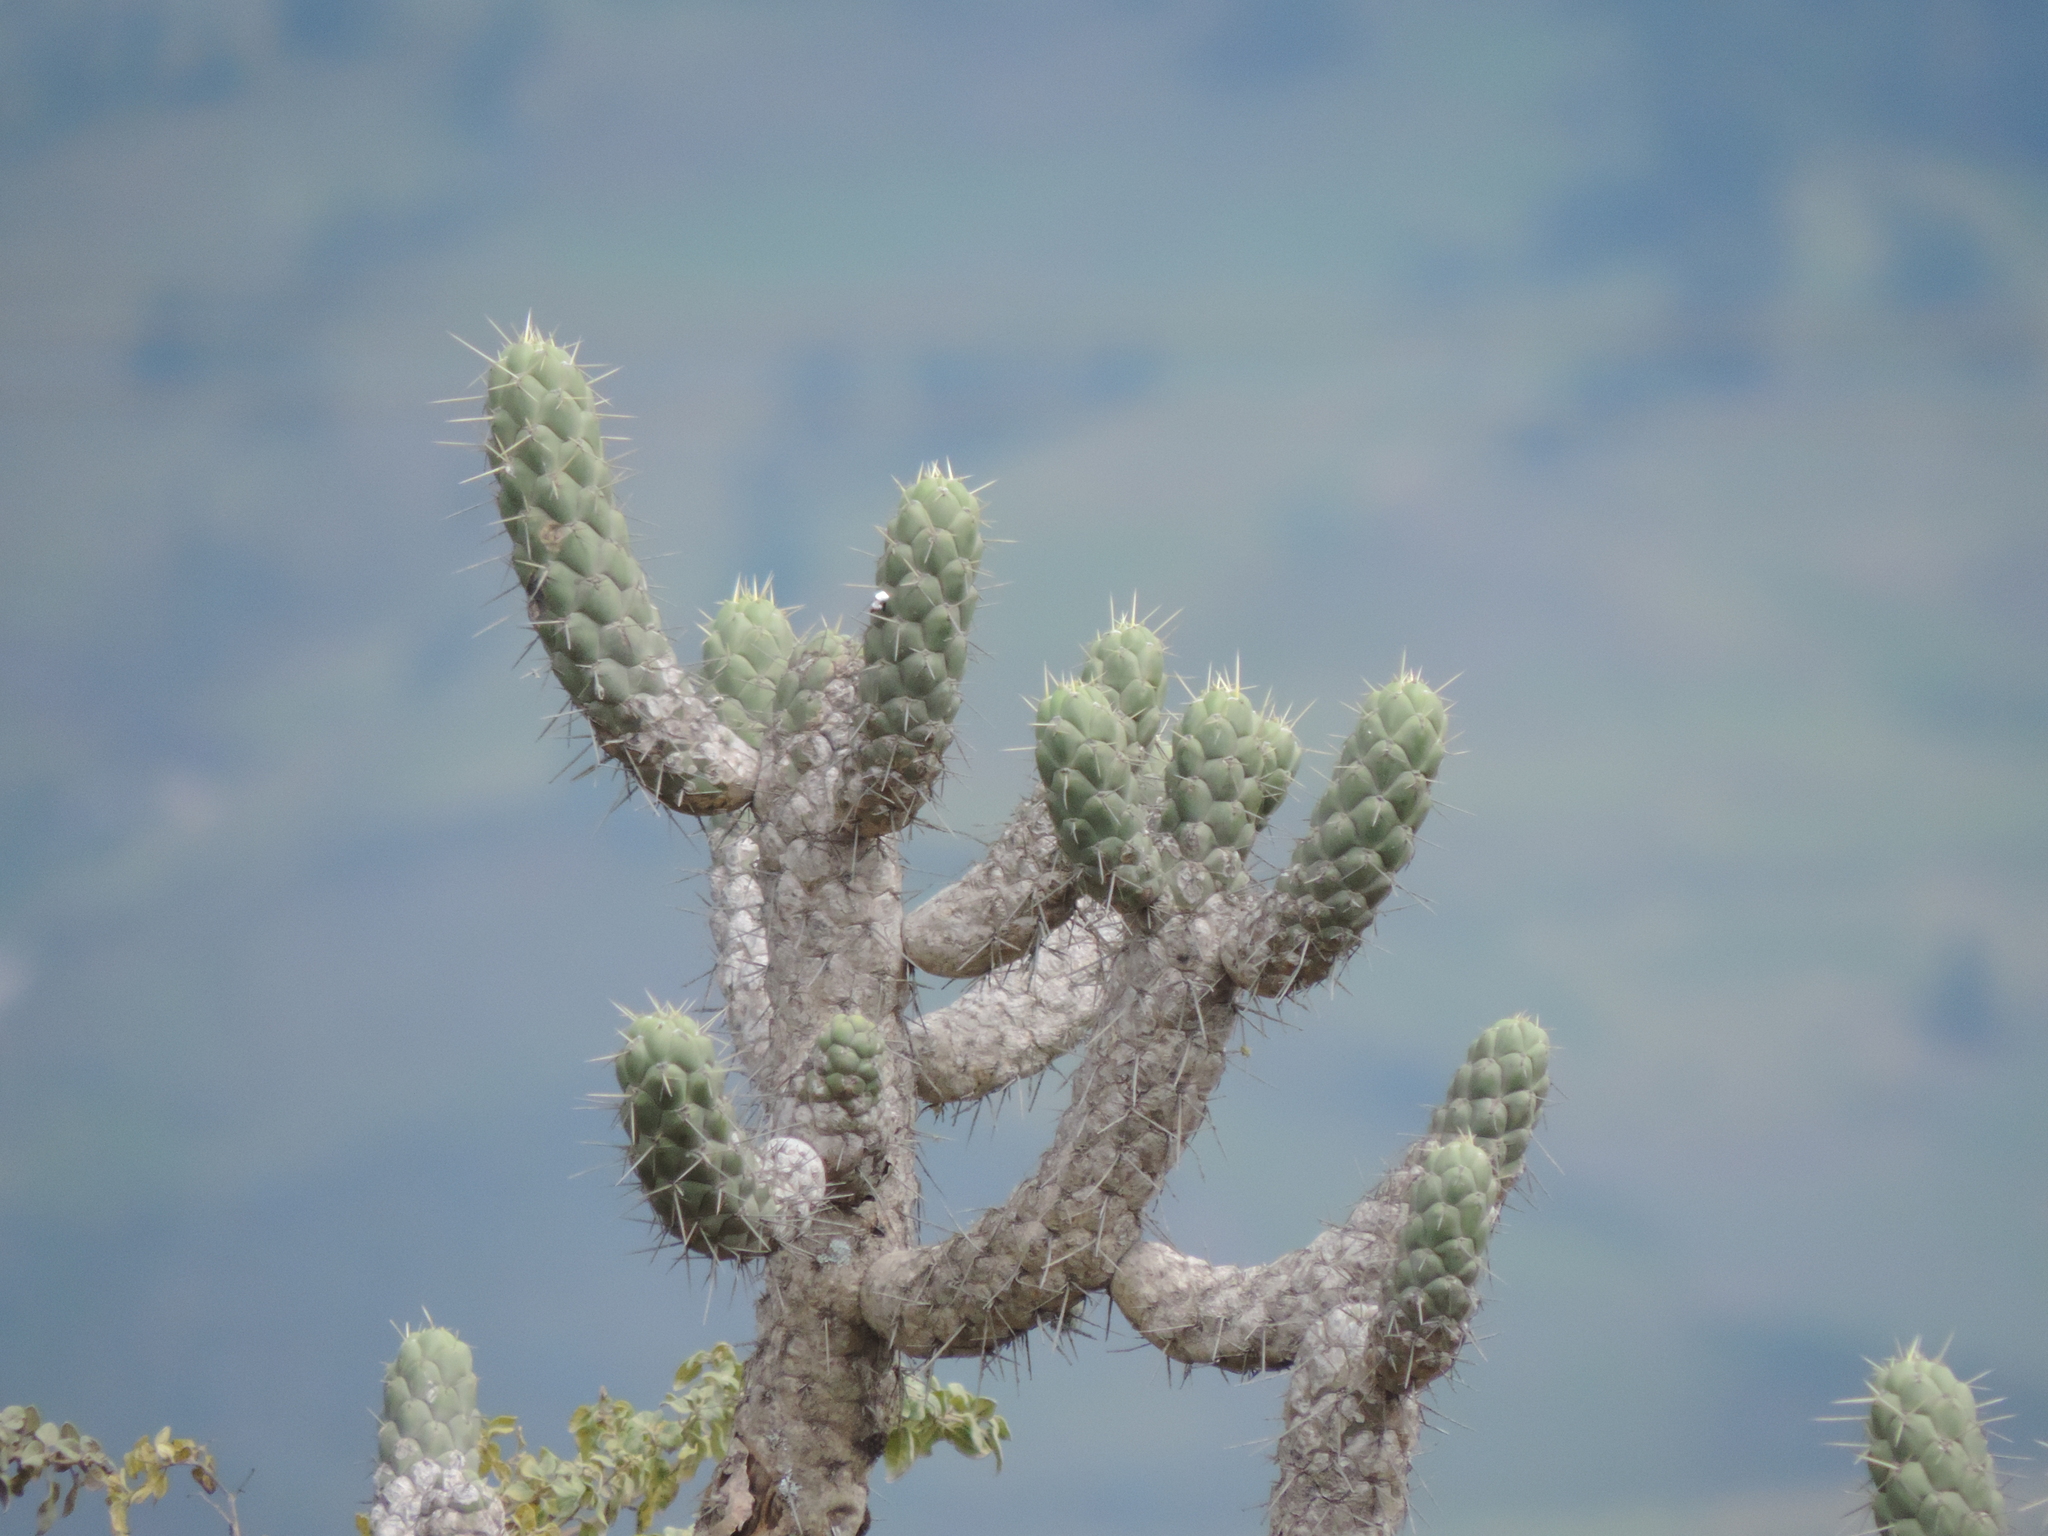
[[1111, 921]]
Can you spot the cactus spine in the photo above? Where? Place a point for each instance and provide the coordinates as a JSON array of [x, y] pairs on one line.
[[1116, 915]]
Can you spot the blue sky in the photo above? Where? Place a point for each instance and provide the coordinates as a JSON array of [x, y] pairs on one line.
[[1666, 380]]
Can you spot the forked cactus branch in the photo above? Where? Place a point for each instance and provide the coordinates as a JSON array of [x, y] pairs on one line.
[[1116, 915]]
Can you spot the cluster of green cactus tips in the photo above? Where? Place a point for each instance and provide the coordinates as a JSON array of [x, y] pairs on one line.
[[747, 646], [429, 1403], [684, 1140], [1450, 1212], [1931, 1473], [1109, 763], [916, 642], [570, 549], [1497, 1094], [1362, 831], [846, 1063], [1222, 771]]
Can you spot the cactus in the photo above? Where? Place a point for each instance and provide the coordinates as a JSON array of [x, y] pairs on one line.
[[1930, 1471], [428, 1441], [1228, 771], [1497, 1094], [683, 1139], [747, 647], [1116, 915], [846, 1066]]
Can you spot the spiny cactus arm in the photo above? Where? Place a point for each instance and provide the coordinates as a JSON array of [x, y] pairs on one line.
[[1353, 1405], [1931, 1472], [1139, 1094], [585, 593], [708, 1184], [1361, 835], [1097, 795], [1256, 1318], [1018, 891], [747, 648], [1345, 1454], [1017, 1021], [1228, 767], [915, 648]]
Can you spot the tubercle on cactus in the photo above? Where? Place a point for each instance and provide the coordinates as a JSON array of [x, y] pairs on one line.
[[1115, 914]]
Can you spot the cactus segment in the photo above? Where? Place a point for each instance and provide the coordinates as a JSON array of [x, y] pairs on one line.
[[747, 647], [585, 593], [1229, 769], [1128, 663], [1497, 1095], [570, 548], [800, 690], [916, 642], [1362, 831], [429, 1403], [846, 1063], [1931, 1473], [1435, 1284], [1084, 760], [684, 1140], [1281, 756]]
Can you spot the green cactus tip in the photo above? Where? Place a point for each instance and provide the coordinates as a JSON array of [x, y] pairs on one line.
[[1450, 1214], [846, 1063], [747, 647], [1931, 1473], [1497, 1096], [429, 1402], [684, 1140]]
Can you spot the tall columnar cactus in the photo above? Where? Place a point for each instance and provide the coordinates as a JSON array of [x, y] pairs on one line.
[[1116, 915]]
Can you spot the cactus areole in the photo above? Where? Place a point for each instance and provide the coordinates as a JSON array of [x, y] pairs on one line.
[[1115, 917]]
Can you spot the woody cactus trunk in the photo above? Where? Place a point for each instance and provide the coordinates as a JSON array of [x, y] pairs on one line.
[[1115, 916]]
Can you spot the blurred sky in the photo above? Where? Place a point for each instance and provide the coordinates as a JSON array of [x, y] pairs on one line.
[[1668, 380]]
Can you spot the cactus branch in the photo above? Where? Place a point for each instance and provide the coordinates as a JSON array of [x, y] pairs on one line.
[[742, 945], [1017, 892], [1256, 1318], [585, 593], [1140, 1093], [1931, 1472], [1015, 1022]]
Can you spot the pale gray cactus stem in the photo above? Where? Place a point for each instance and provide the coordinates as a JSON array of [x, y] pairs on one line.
[[1146, 979], [435, 1498], [1000, 909]]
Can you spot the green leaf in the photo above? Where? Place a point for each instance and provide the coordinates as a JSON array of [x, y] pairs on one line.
[[900, 1451]]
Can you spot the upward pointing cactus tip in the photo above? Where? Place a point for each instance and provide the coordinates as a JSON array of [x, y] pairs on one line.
[[1931, 1472]]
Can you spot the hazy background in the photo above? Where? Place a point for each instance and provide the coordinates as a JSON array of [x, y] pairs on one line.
[[1670, 379]]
